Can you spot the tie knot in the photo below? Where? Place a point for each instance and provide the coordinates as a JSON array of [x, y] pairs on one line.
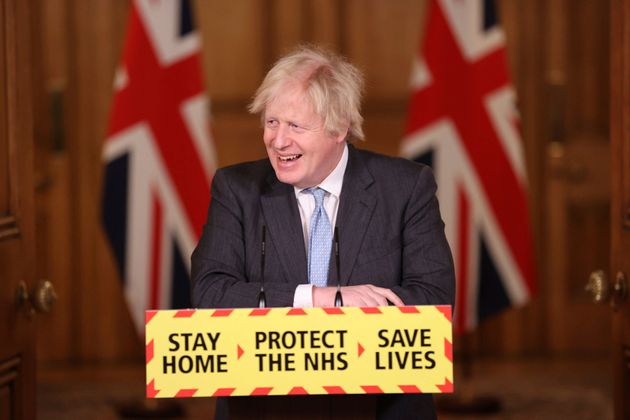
[[318, 194]]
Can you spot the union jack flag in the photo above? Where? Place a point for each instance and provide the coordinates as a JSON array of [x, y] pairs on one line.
[[159, 157], [463, 122]]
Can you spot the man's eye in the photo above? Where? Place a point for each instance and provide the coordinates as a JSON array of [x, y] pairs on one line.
[[296, 127], [271, 123]]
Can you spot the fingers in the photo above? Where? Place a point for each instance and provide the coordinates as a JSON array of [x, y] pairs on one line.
[[362, 295], [369, 295], [389, 295]]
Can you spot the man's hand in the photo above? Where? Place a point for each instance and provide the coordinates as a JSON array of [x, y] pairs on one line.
[[362, 295]]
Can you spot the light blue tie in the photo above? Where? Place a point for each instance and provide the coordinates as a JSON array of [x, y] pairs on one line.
[[319, 241]]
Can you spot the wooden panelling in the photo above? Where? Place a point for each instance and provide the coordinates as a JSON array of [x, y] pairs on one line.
[[620, 202], [8, 382], [54, 224], [4, 144], [577, 187], [587, 71], [53, 23], [383, 132], [235, 43], [327, 27], [289, 25], [9, 376], [100, 320], [381, 39], [241, 138], [578, 207], [17, 229]]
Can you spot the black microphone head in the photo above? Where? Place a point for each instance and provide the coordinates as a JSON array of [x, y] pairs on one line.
[[262, 299], [338, 298]]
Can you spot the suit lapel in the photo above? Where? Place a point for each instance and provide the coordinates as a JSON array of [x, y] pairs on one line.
[[284, 228], [355, 211]]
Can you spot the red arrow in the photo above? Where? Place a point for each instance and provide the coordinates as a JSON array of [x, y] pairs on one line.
[[239, 351]]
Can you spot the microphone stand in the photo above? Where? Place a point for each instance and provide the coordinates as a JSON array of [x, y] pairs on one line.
[[338, 297], [262, 299]]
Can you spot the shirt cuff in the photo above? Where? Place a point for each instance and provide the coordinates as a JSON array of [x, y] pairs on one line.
[[303, 297]]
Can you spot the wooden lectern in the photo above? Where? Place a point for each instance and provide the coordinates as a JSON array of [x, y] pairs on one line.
[[306, 407]]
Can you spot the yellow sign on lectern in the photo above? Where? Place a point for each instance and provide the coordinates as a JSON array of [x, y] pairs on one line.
[[294, 351]]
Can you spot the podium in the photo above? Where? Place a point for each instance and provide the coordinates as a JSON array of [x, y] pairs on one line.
[[306, 363], [312, 407]]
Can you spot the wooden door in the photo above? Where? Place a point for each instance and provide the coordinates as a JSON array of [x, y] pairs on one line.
[[17, 259], [578, 183], [620, 226]]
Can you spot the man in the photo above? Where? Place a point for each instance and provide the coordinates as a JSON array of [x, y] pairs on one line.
[[392, 247]]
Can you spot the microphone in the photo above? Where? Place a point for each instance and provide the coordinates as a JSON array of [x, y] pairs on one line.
[[338, 298], [262, 300]]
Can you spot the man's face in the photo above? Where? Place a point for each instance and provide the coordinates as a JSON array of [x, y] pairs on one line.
[[301, 151]]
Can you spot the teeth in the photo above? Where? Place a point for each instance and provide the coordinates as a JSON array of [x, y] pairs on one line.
[[288, 158]]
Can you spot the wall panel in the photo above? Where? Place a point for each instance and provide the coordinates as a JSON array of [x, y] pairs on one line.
[[381, 38], [234, 42]]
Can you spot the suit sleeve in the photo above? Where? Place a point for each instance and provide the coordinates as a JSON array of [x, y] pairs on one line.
[[427, 276], [219, 268]]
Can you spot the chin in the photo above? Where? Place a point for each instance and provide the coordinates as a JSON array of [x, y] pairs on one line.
[[287, 178]]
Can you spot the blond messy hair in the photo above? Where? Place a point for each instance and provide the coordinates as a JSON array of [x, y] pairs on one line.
[[332, 85]]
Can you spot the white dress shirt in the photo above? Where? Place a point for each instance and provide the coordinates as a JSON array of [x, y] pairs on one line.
[[303, 297]]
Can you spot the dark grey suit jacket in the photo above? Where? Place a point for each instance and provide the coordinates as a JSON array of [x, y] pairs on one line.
[[390, 235]]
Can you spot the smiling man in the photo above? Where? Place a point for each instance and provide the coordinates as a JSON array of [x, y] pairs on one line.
[[392, 247]]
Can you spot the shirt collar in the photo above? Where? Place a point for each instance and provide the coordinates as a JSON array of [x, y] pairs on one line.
[[334, 181]]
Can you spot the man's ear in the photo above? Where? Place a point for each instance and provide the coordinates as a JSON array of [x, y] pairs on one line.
[[341, 136]]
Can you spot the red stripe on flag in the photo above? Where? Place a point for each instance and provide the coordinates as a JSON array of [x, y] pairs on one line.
[[334, 311], [458, 91], [149, 351], [184, 313], [156, 253], [223, 392], [334, 390], [462, 260], [185, 393], [297, 390], [222, 312], [410, 389], [371, 310], [372, 389], [154, 95], [261, 391]]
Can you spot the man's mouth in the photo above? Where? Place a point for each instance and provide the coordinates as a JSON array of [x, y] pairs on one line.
[[289, 158]]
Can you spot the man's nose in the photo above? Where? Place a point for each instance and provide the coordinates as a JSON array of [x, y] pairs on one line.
[[282, 138]]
